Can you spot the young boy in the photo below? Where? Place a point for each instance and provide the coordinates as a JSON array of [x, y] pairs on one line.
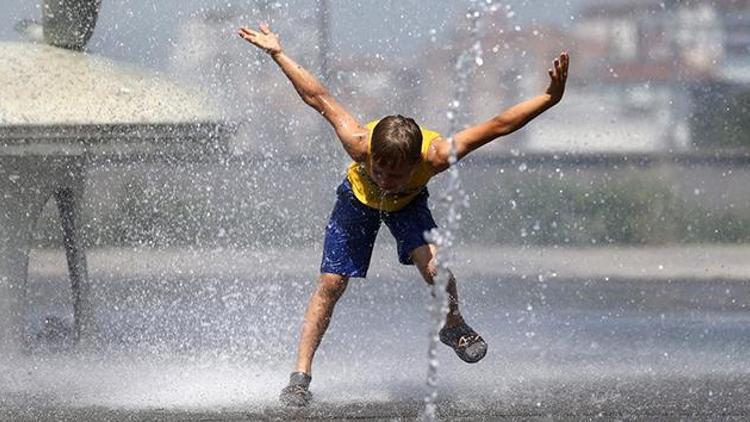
[[393, 159]]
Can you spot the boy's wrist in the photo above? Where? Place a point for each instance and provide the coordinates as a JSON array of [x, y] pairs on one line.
[[550, 99], [275, 54]]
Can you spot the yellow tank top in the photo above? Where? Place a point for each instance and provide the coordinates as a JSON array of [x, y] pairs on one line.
[[368, 193]]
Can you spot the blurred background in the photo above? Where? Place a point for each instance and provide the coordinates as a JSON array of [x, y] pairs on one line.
[[649, 146]]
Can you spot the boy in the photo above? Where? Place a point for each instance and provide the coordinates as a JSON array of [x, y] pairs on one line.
[[393, 159]]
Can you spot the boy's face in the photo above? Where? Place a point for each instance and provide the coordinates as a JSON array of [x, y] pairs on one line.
[[390, 176]]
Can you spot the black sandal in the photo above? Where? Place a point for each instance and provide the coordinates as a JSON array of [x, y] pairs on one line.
[[297, 393], [467, 343]]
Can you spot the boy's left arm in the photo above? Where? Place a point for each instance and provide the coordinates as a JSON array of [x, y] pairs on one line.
[[506, 122]]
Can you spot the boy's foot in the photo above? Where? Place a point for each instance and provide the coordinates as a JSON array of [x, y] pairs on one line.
[[468, 345], [297, 392]]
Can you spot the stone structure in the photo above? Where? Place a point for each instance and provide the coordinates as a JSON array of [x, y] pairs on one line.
[[60, 110]]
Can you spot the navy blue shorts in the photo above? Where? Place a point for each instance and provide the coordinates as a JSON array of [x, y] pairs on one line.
[[351, 232]]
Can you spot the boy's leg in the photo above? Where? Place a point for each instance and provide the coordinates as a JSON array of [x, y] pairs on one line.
[[317, 317], [347, 248], [424, 259], [467, 343], [408, 227]]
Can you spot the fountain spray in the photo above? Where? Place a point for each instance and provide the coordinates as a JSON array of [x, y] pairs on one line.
[[452, 199]]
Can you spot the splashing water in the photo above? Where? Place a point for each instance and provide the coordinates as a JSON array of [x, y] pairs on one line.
[[452, 199]]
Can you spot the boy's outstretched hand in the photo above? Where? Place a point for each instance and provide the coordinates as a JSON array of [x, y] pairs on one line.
[[263, 39], [558, 75]]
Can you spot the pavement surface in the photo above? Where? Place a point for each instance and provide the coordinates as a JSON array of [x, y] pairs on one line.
[[678, 262], [577, 334]]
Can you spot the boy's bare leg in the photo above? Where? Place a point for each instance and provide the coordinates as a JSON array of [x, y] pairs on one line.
[[424, 259], [317, 316], [467, 343]]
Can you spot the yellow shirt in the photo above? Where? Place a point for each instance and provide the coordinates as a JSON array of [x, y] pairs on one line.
[[368, 192]]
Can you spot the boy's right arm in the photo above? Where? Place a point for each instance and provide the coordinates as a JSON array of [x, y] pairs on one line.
[[506, 122], [351, 133]]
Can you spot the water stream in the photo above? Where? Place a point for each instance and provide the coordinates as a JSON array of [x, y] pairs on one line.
[[452, 200]]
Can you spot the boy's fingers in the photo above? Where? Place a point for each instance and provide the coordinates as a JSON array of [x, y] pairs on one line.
[[248, 31], [264, 28], [562, 65]]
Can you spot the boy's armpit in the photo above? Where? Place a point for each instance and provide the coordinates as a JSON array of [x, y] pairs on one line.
[[438, 156], [357, 146]]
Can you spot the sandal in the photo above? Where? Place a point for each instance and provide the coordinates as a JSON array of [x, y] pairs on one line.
[[467, 343], [297, 393]]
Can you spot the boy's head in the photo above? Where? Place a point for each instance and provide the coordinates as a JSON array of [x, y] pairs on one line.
[[395, 150]]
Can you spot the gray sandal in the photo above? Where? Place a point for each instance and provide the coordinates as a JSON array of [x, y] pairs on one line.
[[297, 393], [467, 343]]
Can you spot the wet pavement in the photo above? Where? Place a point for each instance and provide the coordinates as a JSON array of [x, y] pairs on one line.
[[190, 341]]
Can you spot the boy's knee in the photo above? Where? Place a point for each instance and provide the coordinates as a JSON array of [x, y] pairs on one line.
[[430, 270], [332, 286], [424, 259]]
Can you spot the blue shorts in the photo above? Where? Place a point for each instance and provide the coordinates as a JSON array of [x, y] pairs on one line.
[[351, 232]]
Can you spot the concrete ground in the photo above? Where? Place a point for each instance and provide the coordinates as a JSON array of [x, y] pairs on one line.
[[662, 262], [577, 334]]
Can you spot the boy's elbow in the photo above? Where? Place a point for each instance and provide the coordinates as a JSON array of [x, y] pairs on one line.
[[311, 100], [316, 100], [501, 126]]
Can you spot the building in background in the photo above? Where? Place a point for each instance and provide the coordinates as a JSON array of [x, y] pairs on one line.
[[648, 64], [644, 74], [512, 67]]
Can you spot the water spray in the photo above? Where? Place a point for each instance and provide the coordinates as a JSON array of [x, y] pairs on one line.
[[453, 199]]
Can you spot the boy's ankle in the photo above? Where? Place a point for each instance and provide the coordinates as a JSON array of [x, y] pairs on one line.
[[300, 378], [453, 319]]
